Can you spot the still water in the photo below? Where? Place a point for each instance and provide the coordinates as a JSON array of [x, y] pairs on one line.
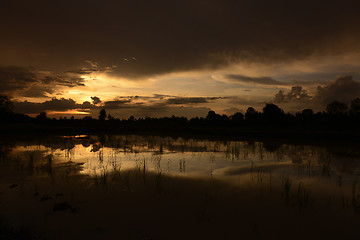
[[209, 189], [95, 155]]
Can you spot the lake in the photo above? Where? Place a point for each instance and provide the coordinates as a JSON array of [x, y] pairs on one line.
[[153, 186]]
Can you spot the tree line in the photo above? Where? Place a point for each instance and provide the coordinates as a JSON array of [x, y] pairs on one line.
[[335, 112]]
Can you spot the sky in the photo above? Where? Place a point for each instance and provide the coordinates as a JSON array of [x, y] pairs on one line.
[[184, 58]]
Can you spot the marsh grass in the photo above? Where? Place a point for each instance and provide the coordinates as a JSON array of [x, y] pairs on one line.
[[146, 197], [326, 168], [303, 196], [286, 185]]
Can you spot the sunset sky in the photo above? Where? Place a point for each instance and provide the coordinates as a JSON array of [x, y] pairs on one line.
[[183, 58]]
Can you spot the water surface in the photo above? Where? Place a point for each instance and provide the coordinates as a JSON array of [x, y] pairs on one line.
[[207, 188]]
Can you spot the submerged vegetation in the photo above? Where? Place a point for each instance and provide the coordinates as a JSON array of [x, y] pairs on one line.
[[147, 187]]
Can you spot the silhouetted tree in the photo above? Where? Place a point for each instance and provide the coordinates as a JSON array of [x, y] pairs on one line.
[[237, 117], [336, 108], [224, 118], [5, 104], [355, 106], [212, 116], [272, 112], [42, 116], [109, 117], [102, 115], [251, 114], [307, 112], [5, 108]]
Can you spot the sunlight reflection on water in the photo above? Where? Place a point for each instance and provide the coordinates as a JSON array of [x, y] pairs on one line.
[[99, 154], [231, 183]]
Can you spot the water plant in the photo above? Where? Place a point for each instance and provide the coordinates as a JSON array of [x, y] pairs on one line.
[[286, 185], [302, 196]]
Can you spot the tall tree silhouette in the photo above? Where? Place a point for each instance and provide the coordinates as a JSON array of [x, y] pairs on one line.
[[102, 115]]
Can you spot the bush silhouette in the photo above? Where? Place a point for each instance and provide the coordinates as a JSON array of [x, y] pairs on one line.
[[336, 108], [355, 106]]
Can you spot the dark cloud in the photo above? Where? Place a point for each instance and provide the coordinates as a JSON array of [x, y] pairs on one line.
[[94, 68], [54, 104], [153, 97], [157, 101], [123, 108], [116, 104], [15, 78], [244, 101], [63, 80], [343, 89], [95, 100], [36, 91], [29, 82], [191, 100], [161, 96], [295, 94], [259, 80], [164, 36], [186, 100]]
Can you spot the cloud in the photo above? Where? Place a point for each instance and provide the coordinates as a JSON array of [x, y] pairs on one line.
[[94, 68], [54, 104], [116, 104], [30, 82], [95, 100], [233, 110], [295, 94], [164, 36], [156, 102], [186, 100], [36, 91], [62, 80], [343, 89], [120, 107], [258, 80], [15, 78]]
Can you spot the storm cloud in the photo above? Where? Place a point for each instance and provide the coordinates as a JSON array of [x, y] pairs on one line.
[[343, 89], [153, 37], [32, 83], [296, 93]]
